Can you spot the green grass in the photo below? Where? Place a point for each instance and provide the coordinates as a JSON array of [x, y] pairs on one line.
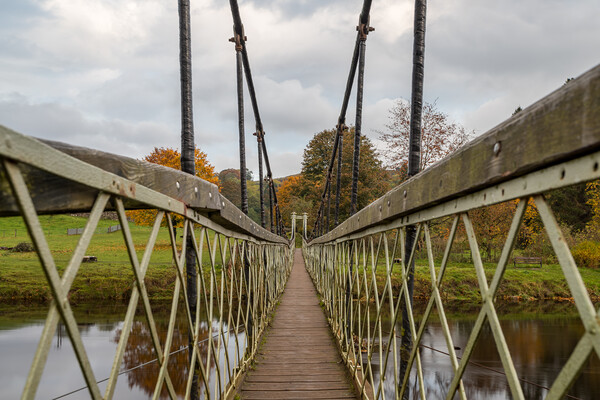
[[521, 283], [111, 278]]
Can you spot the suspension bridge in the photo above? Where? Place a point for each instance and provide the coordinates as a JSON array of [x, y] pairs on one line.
[[309, 323]]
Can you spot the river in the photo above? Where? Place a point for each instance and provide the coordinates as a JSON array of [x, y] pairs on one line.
[[100, 327], [540, 341]]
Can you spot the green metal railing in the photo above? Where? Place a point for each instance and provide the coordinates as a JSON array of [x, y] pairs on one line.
[[550, 145], [238, 282]]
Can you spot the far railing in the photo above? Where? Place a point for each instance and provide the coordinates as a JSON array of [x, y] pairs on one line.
[[361, 268], [242, 267]]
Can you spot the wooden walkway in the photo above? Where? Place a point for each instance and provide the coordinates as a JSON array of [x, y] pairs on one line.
[[298, 359]]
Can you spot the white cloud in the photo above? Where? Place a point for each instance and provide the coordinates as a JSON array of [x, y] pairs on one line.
[[105, 73]]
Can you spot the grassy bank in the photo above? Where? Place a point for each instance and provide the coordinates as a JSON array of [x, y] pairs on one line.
[[111, 278], [521, 283]]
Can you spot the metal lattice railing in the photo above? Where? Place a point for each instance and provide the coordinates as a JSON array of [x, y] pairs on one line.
[[355, 265], [238, 280]]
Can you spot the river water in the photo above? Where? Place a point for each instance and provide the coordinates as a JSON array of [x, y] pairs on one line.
[[540, 342], [540, 337], [100, 327]]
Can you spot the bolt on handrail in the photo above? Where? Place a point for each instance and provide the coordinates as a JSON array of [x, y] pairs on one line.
[[243, 268], [550, 145]]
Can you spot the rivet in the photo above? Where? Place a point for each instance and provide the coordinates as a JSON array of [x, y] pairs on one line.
[[405, 193], [223, 204], [177, 184], [497, 148], [389, 203]]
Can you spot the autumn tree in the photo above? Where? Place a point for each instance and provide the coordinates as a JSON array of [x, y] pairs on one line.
[[372, 180], [290, 200], [171, 158], [491, 225], [439, 135], [593, 192]]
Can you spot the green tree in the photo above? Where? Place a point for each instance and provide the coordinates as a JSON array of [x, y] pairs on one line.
[[229, 180], [372, 180], [571, 207]]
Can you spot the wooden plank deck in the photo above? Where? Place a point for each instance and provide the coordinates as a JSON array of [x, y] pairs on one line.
[[298, 359]]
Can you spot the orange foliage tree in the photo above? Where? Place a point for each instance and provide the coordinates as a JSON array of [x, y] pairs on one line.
[[171, 158], [491, 226], [592, 190], [290, 200]]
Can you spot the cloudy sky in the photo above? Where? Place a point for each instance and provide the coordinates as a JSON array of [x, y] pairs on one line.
[[104, 73]]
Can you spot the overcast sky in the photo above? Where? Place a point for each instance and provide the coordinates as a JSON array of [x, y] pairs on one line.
[[105, 74]]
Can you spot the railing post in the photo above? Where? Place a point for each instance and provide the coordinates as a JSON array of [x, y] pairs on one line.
[[304, 224]]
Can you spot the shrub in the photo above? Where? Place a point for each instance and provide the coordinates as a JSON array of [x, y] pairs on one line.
[[587, 254], [23, 247]]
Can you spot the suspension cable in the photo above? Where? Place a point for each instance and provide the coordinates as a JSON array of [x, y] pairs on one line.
[[260, 182], [237, 38], [414, 160], [238, 29], [341, 127]]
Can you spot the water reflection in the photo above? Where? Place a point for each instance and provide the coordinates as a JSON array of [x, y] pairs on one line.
[[100, 331], [539, 349], [540, 346]]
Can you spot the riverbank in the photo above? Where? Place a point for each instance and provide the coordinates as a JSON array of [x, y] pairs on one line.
[[518, 284], [109, 278], [22, 280]]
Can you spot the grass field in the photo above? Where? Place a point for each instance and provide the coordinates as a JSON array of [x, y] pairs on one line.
[[522, 283], [111, 278], [22, 278]]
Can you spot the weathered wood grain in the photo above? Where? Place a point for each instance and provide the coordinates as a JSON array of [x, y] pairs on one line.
[[560, 127], [64, 179], [299, 359]]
